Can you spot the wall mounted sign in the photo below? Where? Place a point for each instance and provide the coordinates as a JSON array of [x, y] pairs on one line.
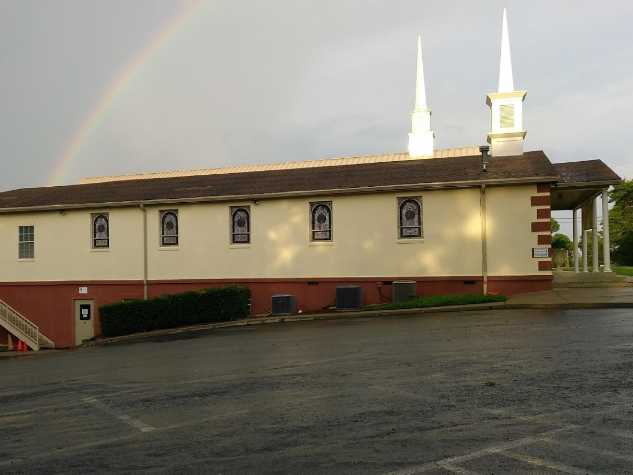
[[83, 290], [84, 311], [540, 252]]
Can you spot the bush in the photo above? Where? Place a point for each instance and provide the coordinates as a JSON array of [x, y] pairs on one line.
[[170, 311]]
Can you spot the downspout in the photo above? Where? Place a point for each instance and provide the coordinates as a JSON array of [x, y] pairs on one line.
[[484, 245], [145, 285], [484, 149]]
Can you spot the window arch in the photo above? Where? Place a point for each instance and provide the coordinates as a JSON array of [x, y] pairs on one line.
[[100, 231], [169, 228], [410, 218], [321, 221], [240, 225]]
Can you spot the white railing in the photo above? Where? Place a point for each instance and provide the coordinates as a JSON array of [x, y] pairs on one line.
[[19, 326]]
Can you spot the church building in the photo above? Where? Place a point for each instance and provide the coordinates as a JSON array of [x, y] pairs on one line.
[[463, 220]]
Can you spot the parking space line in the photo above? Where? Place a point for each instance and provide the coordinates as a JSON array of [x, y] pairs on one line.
[[415, 469], [137, 424], [591, 450], [546, 463]]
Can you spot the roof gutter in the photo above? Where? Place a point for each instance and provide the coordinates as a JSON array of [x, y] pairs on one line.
[[285, 194]]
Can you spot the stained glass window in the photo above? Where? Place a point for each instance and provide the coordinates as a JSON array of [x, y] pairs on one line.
[[26, 242], [240, 225], [100, 231], [321, 221], [410, 218], [169, 228]]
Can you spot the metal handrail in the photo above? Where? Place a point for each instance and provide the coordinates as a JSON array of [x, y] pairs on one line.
[[20, 326]]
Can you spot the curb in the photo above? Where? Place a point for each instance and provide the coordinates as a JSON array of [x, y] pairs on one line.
[[290, 319], [138, 337]]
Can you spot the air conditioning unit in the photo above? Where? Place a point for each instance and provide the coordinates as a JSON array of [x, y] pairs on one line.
[[284, 304], [403, 290], [349, 297]]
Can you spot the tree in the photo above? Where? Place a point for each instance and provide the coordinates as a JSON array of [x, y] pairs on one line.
[[621, 222], [555, 227], [561, 241]]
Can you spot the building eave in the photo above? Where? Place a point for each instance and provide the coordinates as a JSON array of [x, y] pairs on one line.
[[289, 194]]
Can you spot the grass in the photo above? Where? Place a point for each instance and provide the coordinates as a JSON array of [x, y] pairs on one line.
[[624, 270], [440, 301]]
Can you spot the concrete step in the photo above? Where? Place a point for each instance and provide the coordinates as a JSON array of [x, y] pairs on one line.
[[589, 285]]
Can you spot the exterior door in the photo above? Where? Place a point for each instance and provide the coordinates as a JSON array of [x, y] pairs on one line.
[[84, 321]]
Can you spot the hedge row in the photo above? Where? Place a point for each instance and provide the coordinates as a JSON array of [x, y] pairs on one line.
[[169, 311]]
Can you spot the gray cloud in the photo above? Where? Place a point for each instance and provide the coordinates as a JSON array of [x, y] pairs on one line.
[[252, 82]]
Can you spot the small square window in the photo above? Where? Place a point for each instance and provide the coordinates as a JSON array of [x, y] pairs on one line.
[[321, 221], [26, 242]]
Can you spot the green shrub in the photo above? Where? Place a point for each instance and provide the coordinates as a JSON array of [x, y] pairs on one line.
[[170, 311]]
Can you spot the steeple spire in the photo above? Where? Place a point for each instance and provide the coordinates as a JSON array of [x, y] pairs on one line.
[[506, 83], [421, 137], [420, 89], [507, 134]]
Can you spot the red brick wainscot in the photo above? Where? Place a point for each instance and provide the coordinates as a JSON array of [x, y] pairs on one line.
[[50, 305]]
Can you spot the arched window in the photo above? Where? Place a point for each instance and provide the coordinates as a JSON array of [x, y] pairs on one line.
[[240, 225], [169, 228], [100, 231], [410, 218], [321, 221]]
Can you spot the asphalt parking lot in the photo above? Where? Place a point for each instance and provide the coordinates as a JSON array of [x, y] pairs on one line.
[[473, 392]]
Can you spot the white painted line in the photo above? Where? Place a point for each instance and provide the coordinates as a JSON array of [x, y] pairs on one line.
[[137, 424], [547, 464], [456, 469], [480, 453], [591, 450]]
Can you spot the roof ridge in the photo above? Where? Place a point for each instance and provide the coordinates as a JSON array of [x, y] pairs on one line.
[[287, 165]]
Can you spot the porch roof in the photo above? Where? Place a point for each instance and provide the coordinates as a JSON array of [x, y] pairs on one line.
[[579, 182]]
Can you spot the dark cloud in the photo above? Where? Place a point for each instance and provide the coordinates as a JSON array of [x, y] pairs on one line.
[[249, 82]]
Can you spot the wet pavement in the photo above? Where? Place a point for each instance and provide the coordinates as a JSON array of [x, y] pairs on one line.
[[473, 392]]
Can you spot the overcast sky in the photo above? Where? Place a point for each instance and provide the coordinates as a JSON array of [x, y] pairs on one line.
[[276, 80]]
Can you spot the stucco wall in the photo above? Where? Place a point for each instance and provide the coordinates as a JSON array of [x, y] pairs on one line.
[[365, 242], [510, 237], [63, 248]]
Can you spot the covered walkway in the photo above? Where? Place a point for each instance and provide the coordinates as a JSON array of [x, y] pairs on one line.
[[583, 187]]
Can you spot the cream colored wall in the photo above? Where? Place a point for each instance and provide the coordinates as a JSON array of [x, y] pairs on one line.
[[63, 249], [509, 231], [365, 240]]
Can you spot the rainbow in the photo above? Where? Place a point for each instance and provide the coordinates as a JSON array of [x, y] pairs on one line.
[[92, 121]]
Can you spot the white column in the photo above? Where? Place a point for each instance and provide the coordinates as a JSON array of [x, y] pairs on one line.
[[575, 230], [606, 240], [594, 237], [585, 266]]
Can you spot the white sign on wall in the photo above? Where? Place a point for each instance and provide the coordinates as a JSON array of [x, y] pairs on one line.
[[540, 252], [83, 290]]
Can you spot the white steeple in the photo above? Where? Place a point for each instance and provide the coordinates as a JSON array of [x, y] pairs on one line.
[[506, 83], [421, 137], [507, 134]]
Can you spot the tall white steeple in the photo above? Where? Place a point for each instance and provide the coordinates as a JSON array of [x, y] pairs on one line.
[[421, 137], [506, 135]]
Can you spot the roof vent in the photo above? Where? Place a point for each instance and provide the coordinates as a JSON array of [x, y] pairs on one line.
[[484, 149]]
